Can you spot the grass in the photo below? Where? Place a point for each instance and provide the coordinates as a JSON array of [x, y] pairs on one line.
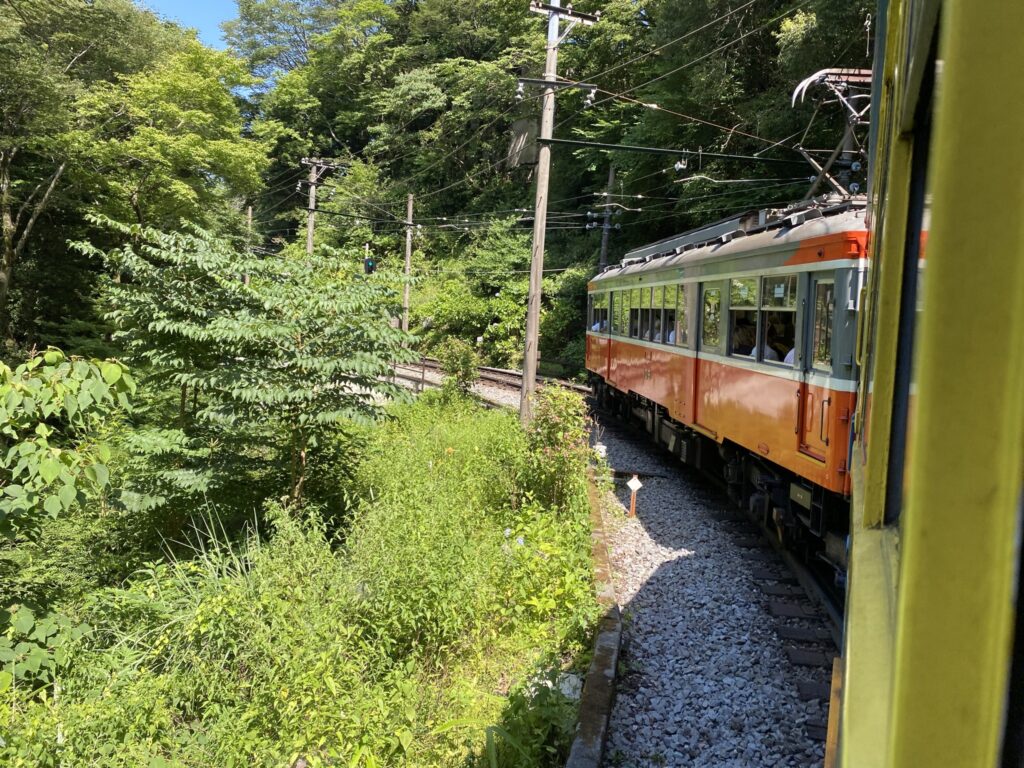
[[420, 634]]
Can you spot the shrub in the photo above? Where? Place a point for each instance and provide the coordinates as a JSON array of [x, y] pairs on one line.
[[301, 347], [385, 650], [459, 362], [559, 446], [51, 409]]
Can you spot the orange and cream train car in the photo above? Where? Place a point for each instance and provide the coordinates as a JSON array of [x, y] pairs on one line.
[[734, 345]]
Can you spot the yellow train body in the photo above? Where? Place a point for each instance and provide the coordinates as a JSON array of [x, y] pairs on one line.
[[931, 666]]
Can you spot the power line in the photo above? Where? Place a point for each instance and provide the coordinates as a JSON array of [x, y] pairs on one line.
[[679, 39], [685, 153], [692, 61]]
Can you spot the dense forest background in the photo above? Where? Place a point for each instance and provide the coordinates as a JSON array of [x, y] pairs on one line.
[[107, 110]]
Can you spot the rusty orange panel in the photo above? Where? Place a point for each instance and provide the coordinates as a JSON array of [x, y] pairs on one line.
[[754, 409], [846, 245], [598, 350]]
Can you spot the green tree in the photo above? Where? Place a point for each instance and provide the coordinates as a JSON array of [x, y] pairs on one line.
[[301, 347], [52, 53], [277, 36], [174, 148]]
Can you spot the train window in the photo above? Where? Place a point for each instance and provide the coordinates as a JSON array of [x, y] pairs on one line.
[[599, 319], [712, 319], [657, 309], [668, 323], [634, 313], [778, 319], [590, 310], [616, 312], [645, 314], [682, 320], [821, 334], [743, 316]]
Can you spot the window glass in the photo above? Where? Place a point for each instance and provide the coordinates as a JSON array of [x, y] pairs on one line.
[[634, 313], [712, 319], [668, 324], [779, 292], [590, 311], [645, 314], [821, 335], [743, 316], [657, 308], [778, 320], [616, 312], [682, 319], [601, 312]]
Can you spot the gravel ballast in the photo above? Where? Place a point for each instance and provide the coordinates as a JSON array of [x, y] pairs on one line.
[[704, 679]]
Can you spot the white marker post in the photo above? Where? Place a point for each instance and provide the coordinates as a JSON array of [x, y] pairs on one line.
[[634, 485]]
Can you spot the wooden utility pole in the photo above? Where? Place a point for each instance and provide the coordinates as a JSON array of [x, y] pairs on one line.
[[555, 15], [607, 229], [317, 168], [408, 264], [311, 208]]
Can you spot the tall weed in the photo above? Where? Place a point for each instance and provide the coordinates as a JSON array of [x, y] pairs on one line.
[[414, 640]]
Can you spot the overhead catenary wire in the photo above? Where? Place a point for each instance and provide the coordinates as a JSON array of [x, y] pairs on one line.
[[481, 171], [691, 118], [421, 171]]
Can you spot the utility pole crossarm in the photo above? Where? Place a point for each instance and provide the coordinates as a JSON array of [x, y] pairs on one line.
[[317, 168], [567, 13]]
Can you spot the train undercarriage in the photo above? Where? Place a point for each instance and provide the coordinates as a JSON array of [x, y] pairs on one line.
[[808, 522]]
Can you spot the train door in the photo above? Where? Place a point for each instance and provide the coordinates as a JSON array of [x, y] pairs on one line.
[[816, 365]]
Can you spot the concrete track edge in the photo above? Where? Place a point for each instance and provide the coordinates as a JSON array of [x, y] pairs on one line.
[[599, 686]]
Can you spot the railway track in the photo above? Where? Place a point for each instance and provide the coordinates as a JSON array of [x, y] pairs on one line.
[[777, 594], [427, 374], [823, 596]]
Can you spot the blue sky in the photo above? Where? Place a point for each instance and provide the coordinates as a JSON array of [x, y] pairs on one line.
[[204, 15]]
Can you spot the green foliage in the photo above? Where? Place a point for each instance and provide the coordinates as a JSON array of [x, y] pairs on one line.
[[459, 363], [172, 139], [484, 296], [35, 650], [276, 35], [383, 651], [280, 355], [559, 443], [106, 108], [51, 408]]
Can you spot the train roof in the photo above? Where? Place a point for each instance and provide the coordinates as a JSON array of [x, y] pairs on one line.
[[738, 235]]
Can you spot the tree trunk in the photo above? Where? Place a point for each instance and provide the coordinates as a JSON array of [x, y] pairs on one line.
[[299, 457], [6, 237], [12, 243], [183, 405]]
